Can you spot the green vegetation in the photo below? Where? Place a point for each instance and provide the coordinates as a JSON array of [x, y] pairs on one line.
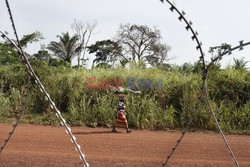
[[166, 108], [135, 52], [67, 47]]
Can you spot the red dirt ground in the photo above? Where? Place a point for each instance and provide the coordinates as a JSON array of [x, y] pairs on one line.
[[37, 146]]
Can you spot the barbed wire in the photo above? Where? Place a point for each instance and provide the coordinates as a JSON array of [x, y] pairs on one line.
[[184, 131], [188, 26], [203, 91], [221, 132], [42, 88], [228, 51], [20, 112], [213, 60], [204, 87]]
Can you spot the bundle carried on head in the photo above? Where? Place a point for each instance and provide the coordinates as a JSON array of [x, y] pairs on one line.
[[121, 90]]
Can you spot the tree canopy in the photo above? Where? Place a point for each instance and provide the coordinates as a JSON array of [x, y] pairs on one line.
[[106, 51], [67, 47], [140, 42]]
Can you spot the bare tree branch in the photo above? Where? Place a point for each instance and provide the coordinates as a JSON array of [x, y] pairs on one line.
[[139, 42], [84, 31]]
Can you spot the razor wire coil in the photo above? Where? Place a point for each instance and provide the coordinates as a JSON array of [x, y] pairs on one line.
[[42, 88], [204, 92], [19, 113]]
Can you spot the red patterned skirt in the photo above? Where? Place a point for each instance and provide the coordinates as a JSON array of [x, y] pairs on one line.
[[121, 120]]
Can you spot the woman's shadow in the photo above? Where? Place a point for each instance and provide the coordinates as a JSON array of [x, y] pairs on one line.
[[95, 132]]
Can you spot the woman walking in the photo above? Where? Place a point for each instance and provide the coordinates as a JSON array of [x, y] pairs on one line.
[[121, 120]]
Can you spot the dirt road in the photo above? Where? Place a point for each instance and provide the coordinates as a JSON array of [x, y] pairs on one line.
[[38, 146]]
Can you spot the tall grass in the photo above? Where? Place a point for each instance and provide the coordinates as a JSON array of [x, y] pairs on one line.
[[167, 108]]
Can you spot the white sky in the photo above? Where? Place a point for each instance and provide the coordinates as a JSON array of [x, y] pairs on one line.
[[217, 21]]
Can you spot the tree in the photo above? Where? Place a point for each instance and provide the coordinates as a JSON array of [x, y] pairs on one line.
[[217, 53], [141, 43], [197, 67], [42, 55], [103, 65], [67, 47], [187, 68], [160, 57], [240, 64], [8, 55], [106, 51], [84, 31], [26, 39], [219, 49], [30, 38]]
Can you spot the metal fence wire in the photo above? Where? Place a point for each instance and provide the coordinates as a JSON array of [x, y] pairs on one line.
[[203, 95]]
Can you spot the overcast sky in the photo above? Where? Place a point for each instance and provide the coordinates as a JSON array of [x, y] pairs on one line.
[[217, 21]]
